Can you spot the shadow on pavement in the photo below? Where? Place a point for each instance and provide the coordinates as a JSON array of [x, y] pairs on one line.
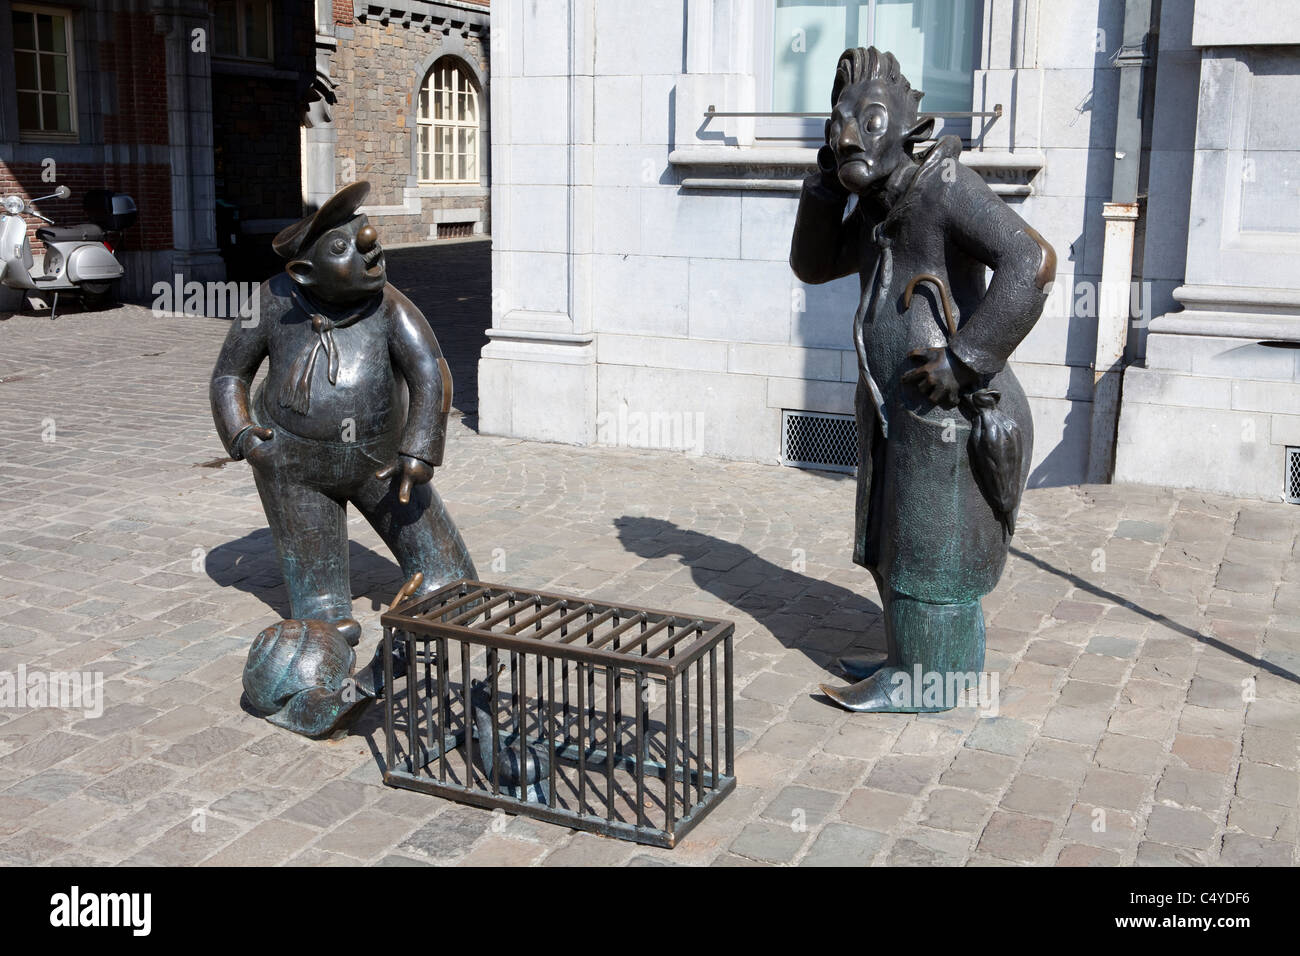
[[807, 614], [251, 565], [1158, 618]]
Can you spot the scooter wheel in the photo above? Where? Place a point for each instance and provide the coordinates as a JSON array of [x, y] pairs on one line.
[[95, 295]]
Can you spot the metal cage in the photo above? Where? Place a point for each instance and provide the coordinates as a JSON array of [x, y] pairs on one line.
[[614, 719]]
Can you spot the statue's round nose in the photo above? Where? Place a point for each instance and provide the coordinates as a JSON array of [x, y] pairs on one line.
[[367, 238], [850, 139]]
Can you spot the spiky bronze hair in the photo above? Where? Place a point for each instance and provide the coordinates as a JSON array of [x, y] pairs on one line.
[[859, 64]]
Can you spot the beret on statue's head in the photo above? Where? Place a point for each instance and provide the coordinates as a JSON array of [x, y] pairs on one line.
[[294, 240]]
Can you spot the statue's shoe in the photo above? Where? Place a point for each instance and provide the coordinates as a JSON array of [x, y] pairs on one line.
[[860, 668], [887, 691]]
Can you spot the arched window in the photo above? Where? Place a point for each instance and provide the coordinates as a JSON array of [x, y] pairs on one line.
[[447, 122]]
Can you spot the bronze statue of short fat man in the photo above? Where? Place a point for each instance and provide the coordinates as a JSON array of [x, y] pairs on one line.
[[944, 429], [354, 409]]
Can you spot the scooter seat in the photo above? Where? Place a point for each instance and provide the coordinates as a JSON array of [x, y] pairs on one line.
[[85, 230]]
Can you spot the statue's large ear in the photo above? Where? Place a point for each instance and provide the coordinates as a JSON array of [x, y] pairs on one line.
[[300, 271], [923, 130]]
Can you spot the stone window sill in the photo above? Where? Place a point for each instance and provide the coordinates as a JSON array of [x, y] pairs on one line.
[[781, 169]]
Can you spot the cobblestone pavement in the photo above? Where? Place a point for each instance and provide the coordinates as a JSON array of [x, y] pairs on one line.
[[1146, 641]]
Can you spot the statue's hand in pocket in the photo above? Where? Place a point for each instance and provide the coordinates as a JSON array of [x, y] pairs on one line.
[[413, 471], [934, 377], [253, 444]]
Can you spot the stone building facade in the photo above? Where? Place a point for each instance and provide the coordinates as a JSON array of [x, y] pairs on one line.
[[140, 123], [226, 121], [258, 103], [645, 187], [667, 292], [383, 56], [1216, 402]]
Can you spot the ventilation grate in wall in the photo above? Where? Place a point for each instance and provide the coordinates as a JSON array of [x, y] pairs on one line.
[[455, 230], [819, 440], [1291, 479]]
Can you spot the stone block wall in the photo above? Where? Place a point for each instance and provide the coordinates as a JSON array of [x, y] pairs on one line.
[[1214, 404], [619, 230]]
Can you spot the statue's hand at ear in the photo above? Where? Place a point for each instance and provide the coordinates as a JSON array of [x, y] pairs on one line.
[[413, 472]]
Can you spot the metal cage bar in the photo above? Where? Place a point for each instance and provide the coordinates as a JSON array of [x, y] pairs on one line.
[[658, 768]]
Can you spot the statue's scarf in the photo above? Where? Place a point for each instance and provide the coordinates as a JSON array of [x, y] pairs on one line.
[[297, 388]]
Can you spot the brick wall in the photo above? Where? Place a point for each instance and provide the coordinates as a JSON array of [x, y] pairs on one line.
[[137, 57], [379, 74], [343, 12], [149, 186]]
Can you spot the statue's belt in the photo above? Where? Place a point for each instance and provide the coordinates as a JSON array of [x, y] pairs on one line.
[[297, 389]]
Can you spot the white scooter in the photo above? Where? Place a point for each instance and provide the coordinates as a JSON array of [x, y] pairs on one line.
[[78, 259]]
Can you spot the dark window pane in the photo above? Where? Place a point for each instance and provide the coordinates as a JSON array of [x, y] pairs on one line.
[[25, 71], [59, 74], [62, 114], [24, 30], [29, 111], [255, 39], [45, 31], [50, 111], [226, 38], [54, 73], [60, 44]]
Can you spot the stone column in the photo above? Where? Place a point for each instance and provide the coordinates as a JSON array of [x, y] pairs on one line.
[[319, 135], [537, 375], [1218, 402]]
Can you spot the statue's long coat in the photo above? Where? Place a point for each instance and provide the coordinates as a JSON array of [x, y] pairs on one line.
[[923, 527]]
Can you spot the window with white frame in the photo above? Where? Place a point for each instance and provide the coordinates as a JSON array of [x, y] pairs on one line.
[[44, 74], [934, 40], [242, 29], [447, 124]]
